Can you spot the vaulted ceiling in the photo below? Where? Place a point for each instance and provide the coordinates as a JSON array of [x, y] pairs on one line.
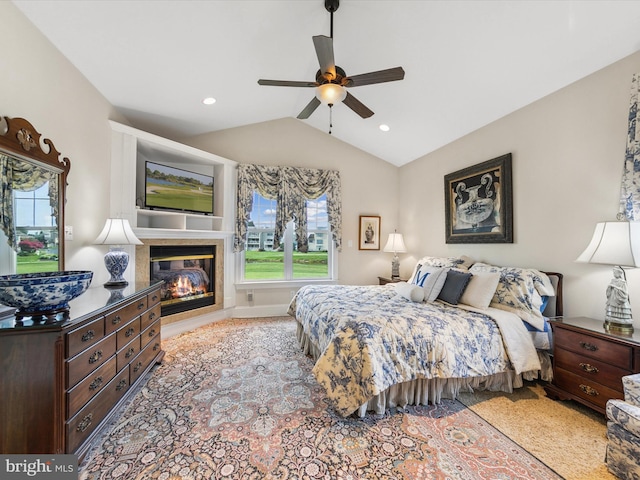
[[467, 63]]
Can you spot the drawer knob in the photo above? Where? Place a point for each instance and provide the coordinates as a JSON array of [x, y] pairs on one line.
[[140, 305], [152, 332], [589, 368], [129, 332], [97, 355], [589, 390], [88, 336], [137, 367], [589, 346], [154, 298], [122, 384], [130, 352], [84, 423], [152, 315], [96, 383], [156, 346], [116, 320]]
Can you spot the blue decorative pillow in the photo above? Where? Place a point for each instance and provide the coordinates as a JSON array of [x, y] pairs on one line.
[[454, 286]]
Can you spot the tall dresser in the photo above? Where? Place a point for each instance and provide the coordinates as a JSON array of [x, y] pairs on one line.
[[61, 381]]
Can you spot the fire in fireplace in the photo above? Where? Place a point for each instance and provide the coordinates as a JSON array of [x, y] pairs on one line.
[[188, 275]]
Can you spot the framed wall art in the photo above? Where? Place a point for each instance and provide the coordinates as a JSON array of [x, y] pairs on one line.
[[479, 203], [369, 232]]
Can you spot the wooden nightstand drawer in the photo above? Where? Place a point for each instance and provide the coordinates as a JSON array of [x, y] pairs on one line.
[[592, 369], [593, 347], [586, 389], [90, 387], [117, 319], [128, 333], [86, 362]]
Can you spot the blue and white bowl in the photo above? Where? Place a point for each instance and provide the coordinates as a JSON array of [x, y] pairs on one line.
[[43, 292]]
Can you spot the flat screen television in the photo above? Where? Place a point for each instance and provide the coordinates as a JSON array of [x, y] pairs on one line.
[[170, 188]]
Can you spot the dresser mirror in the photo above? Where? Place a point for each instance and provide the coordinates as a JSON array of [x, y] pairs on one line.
[[33, 179]]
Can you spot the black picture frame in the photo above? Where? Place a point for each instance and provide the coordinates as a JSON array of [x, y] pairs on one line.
[[479, 203]]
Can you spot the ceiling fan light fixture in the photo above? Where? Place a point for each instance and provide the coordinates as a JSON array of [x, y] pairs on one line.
[[330, 93]]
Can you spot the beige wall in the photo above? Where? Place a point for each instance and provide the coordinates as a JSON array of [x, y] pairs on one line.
[[369, 187], [568, 151], [39, 84]]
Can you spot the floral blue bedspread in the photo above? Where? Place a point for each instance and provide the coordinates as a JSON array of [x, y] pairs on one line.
[[371, 338]]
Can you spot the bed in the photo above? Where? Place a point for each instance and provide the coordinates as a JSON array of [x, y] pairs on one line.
[[383, 346]]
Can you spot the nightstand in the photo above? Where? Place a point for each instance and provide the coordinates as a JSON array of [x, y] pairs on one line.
[[589, 362], [385, 280]]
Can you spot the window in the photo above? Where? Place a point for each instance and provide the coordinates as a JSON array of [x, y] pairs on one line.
[[36, 231], [264, 263]]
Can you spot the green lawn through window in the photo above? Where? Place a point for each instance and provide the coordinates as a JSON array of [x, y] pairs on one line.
[[269, 265]]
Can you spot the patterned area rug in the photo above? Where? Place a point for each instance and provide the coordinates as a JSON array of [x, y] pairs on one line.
[[237, 400]]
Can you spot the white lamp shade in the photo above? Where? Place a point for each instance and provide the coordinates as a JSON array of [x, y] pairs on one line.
[[330, 93], [614, 243], [117, 231], [395, 243]]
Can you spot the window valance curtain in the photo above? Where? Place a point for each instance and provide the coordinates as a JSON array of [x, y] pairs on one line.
[[630, 190], [25, 177], [290, 187]]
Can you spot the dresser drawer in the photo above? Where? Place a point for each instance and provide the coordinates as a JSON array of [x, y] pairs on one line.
[[86, 362], [87, 419], [142, 361], [117, 319], [593, 347], [128, 352], [127, 333], [592, 369], [585, 388], [90, 386], [150, 316], [153, 298], [151, 332], [85, 336]]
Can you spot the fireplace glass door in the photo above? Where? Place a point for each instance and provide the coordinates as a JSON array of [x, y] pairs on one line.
[[188, 275]]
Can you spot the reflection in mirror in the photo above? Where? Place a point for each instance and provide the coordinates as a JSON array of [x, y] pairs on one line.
[[32, 195]]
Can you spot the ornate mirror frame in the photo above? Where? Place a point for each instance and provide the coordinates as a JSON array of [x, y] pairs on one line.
[[19, 139]]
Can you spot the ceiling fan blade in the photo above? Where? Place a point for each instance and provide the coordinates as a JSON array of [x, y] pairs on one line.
[[309, 109], [324, 51], [381, 76], [357, 106], [286, 83]]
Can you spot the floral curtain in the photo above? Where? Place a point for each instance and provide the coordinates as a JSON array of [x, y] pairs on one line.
[[290, 187], [630, 190], [26, 177]]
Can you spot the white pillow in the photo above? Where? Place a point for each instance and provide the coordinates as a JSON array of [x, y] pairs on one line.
[[462, 262], [480, 289], [431, 279], [409, 291]]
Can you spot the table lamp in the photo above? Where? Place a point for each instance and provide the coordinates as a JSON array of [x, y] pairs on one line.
[[395, 244], [618, 244], [116, 232]]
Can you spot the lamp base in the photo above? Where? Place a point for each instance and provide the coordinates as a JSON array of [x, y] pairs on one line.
[[395, 267], [116, 261], [621, 328]]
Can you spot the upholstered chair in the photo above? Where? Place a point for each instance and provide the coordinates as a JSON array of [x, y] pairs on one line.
[[623, 431]]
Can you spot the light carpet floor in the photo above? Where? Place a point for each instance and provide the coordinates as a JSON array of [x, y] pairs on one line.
[[567, 436]]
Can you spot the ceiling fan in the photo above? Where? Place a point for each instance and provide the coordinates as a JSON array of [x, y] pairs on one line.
[[332, 81]]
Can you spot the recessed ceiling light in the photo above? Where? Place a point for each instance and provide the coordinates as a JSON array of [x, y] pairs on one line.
[[384, 127], [209, 101]]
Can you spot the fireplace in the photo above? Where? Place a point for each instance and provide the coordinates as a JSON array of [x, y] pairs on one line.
[[188, 273]]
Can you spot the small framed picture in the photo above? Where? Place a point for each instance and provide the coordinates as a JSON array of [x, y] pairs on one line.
[[369, 232]]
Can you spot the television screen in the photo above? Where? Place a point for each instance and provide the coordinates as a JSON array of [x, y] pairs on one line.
[[176, 189]]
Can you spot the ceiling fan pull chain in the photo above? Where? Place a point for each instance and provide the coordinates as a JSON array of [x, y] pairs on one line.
[[330, 117]]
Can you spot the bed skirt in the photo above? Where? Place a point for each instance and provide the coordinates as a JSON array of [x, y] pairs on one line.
[[423, 390]]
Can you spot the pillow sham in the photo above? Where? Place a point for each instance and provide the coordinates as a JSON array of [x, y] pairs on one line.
[[520, 291], [431, 279], [454, 286], [462, 263], [480, 290], [409, 291]]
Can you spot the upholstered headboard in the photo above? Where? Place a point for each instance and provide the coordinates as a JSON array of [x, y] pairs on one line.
[[554, 307]]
